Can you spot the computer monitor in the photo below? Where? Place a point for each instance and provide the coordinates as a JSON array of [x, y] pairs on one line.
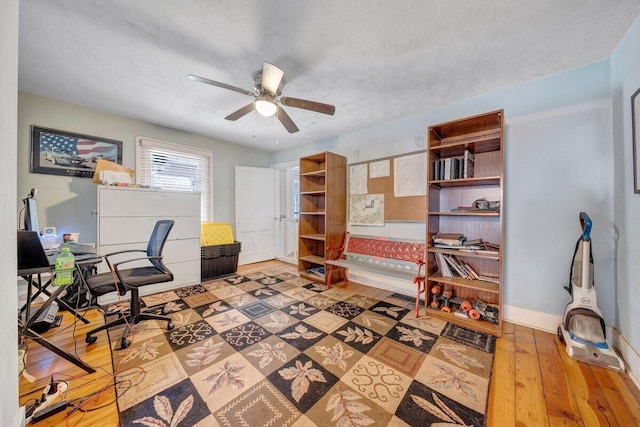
[[31, 222]]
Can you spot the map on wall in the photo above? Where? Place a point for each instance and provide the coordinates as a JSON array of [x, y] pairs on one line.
[[366, 209]]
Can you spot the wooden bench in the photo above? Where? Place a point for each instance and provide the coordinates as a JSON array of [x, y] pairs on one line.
[[399, 259]]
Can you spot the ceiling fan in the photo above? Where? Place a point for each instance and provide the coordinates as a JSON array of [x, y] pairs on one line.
[[267, 86]]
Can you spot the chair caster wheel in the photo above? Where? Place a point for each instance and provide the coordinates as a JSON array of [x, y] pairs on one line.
[[170, 326], [124, 343], [90, 339]]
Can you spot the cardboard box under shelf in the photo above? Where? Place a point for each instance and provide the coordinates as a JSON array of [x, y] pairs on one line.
[[219, 260]]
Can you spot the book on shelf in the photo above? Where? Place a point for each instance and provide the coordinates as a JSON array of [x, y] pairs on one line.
[[450, 239], [456, 167], [489, 279], [468, 164], [456, 267], [443, 266], [317, 271]]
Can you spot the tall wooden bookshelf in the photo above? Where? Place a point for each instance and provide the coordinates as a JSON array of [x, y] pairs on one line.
[[482, 136], [323, 218]]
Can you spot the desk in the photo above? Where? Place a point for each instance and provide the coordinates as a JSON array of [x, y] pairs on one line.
[[82, 262]]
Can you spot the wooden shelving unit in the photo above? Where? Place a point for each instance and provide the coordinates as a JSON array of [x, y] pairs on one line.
[[483, 137], [322, 223]]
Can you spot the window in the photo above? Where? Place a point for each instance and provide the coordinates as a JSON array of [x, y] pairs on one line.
[[176, 167]]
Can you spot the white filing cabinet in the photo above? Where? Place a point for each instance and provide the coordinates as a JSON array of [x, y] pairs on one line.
[[126, 217]]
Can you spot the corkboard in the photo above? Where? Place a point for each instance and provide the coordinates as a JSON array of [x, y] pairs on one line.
[[398, 209]]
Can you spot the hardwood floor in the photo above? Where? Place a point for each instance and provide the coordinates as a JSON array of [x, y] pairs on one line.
[[534, 382]]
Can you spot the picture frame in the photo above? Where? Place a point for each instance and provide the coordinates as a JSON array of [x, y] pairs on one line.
[[635, 129], [58, 152]]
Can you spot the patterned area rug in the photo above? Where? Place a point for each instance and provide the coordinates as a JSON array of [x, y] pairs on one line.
[[277, 350]]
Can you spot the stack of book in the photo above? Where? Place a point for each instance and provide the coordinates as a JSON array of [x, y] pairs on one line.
[[458, 242], [458, 167], [452, 266], [448, 240]]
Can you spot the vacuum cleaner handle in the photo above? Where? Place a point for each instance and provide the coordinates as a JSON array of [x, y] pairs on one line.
[[585, 222]]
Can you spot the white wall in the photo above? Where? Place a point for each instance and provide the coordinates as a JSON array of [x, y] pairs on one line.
[[559, 161], [625, 70], [10, 414], [68, 203]]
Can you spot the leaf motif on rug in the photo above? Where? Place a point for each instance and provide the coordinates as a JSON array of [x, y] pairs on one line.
[[229, 319], [242, 300], [279, 320], [236, 280], [204, 354], [413, 335], [182, 319], [356, 334], [391, 311], [214, 308], [172, 306], [264, 291], [369, 320], [228, 375], [269, 281], [267, 353], [280, 300], [148, 350], [456, 354], [162, 406], [301, 331], [321, 301], [447, 378], [441, 411], [334, 355], [301, 309], [347, 411], [302, 376], [361, 301]]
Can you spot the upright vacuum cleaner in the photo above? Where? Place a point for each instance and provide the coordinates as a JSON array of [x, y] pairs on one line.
[[583, 328]]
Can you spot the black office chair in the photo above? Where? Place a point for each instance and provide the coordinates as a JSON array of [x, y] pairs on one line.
[[123, 280]]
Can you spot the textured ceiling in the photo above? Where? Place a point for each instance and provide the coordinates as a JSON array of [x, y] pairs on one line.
[[375, 60]]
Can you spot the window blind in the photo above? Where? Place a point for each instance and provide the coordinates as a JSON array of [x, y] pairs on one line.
[[176, 167]]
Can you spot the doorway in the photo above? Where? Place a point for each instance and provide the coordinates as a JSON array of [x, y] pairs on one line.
[[288, 207]]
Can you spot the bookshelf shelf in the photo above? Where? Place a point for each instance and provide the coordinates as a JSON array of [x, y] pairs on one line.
[[480, 214], [466, 182], [322, 219], [479, 285], [469, 153], [467, 253]]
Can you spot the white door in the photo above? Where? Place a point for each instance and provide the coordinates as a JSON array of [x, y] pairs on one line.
[[255, 214]]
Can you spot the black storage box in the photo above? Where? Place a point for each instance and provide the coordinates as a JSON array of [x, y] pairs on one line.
[[218, 260]]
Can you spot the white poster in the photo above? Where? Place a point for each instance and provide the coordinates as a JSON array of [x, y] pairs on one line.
[[410, 176], [380, 169], [358, 179]]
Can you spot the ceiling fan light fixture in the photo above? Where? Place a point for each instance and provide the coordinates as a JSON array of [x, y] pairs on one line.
[[266, 107]]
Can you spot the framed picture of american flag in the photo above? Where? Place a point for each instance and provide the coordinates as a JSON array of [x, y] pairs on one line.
[[65, 153]]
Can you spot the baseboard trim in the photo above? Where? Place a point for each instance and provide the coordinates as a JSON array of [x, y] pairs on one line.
[[629, 355]]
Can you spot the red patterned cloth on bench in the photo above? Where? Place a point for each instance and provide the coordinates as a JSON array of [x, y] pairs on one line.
[[378, 255]]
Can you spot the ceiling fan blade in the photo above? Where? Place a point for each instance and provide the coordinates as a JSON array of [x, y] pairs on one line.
[[241, 112], [222, 85], [286, 121], [308, 105], [271, 77]]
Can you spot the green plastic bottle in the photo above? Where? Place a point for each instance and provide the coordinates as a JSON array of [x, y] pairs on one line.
[[65, 264]]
